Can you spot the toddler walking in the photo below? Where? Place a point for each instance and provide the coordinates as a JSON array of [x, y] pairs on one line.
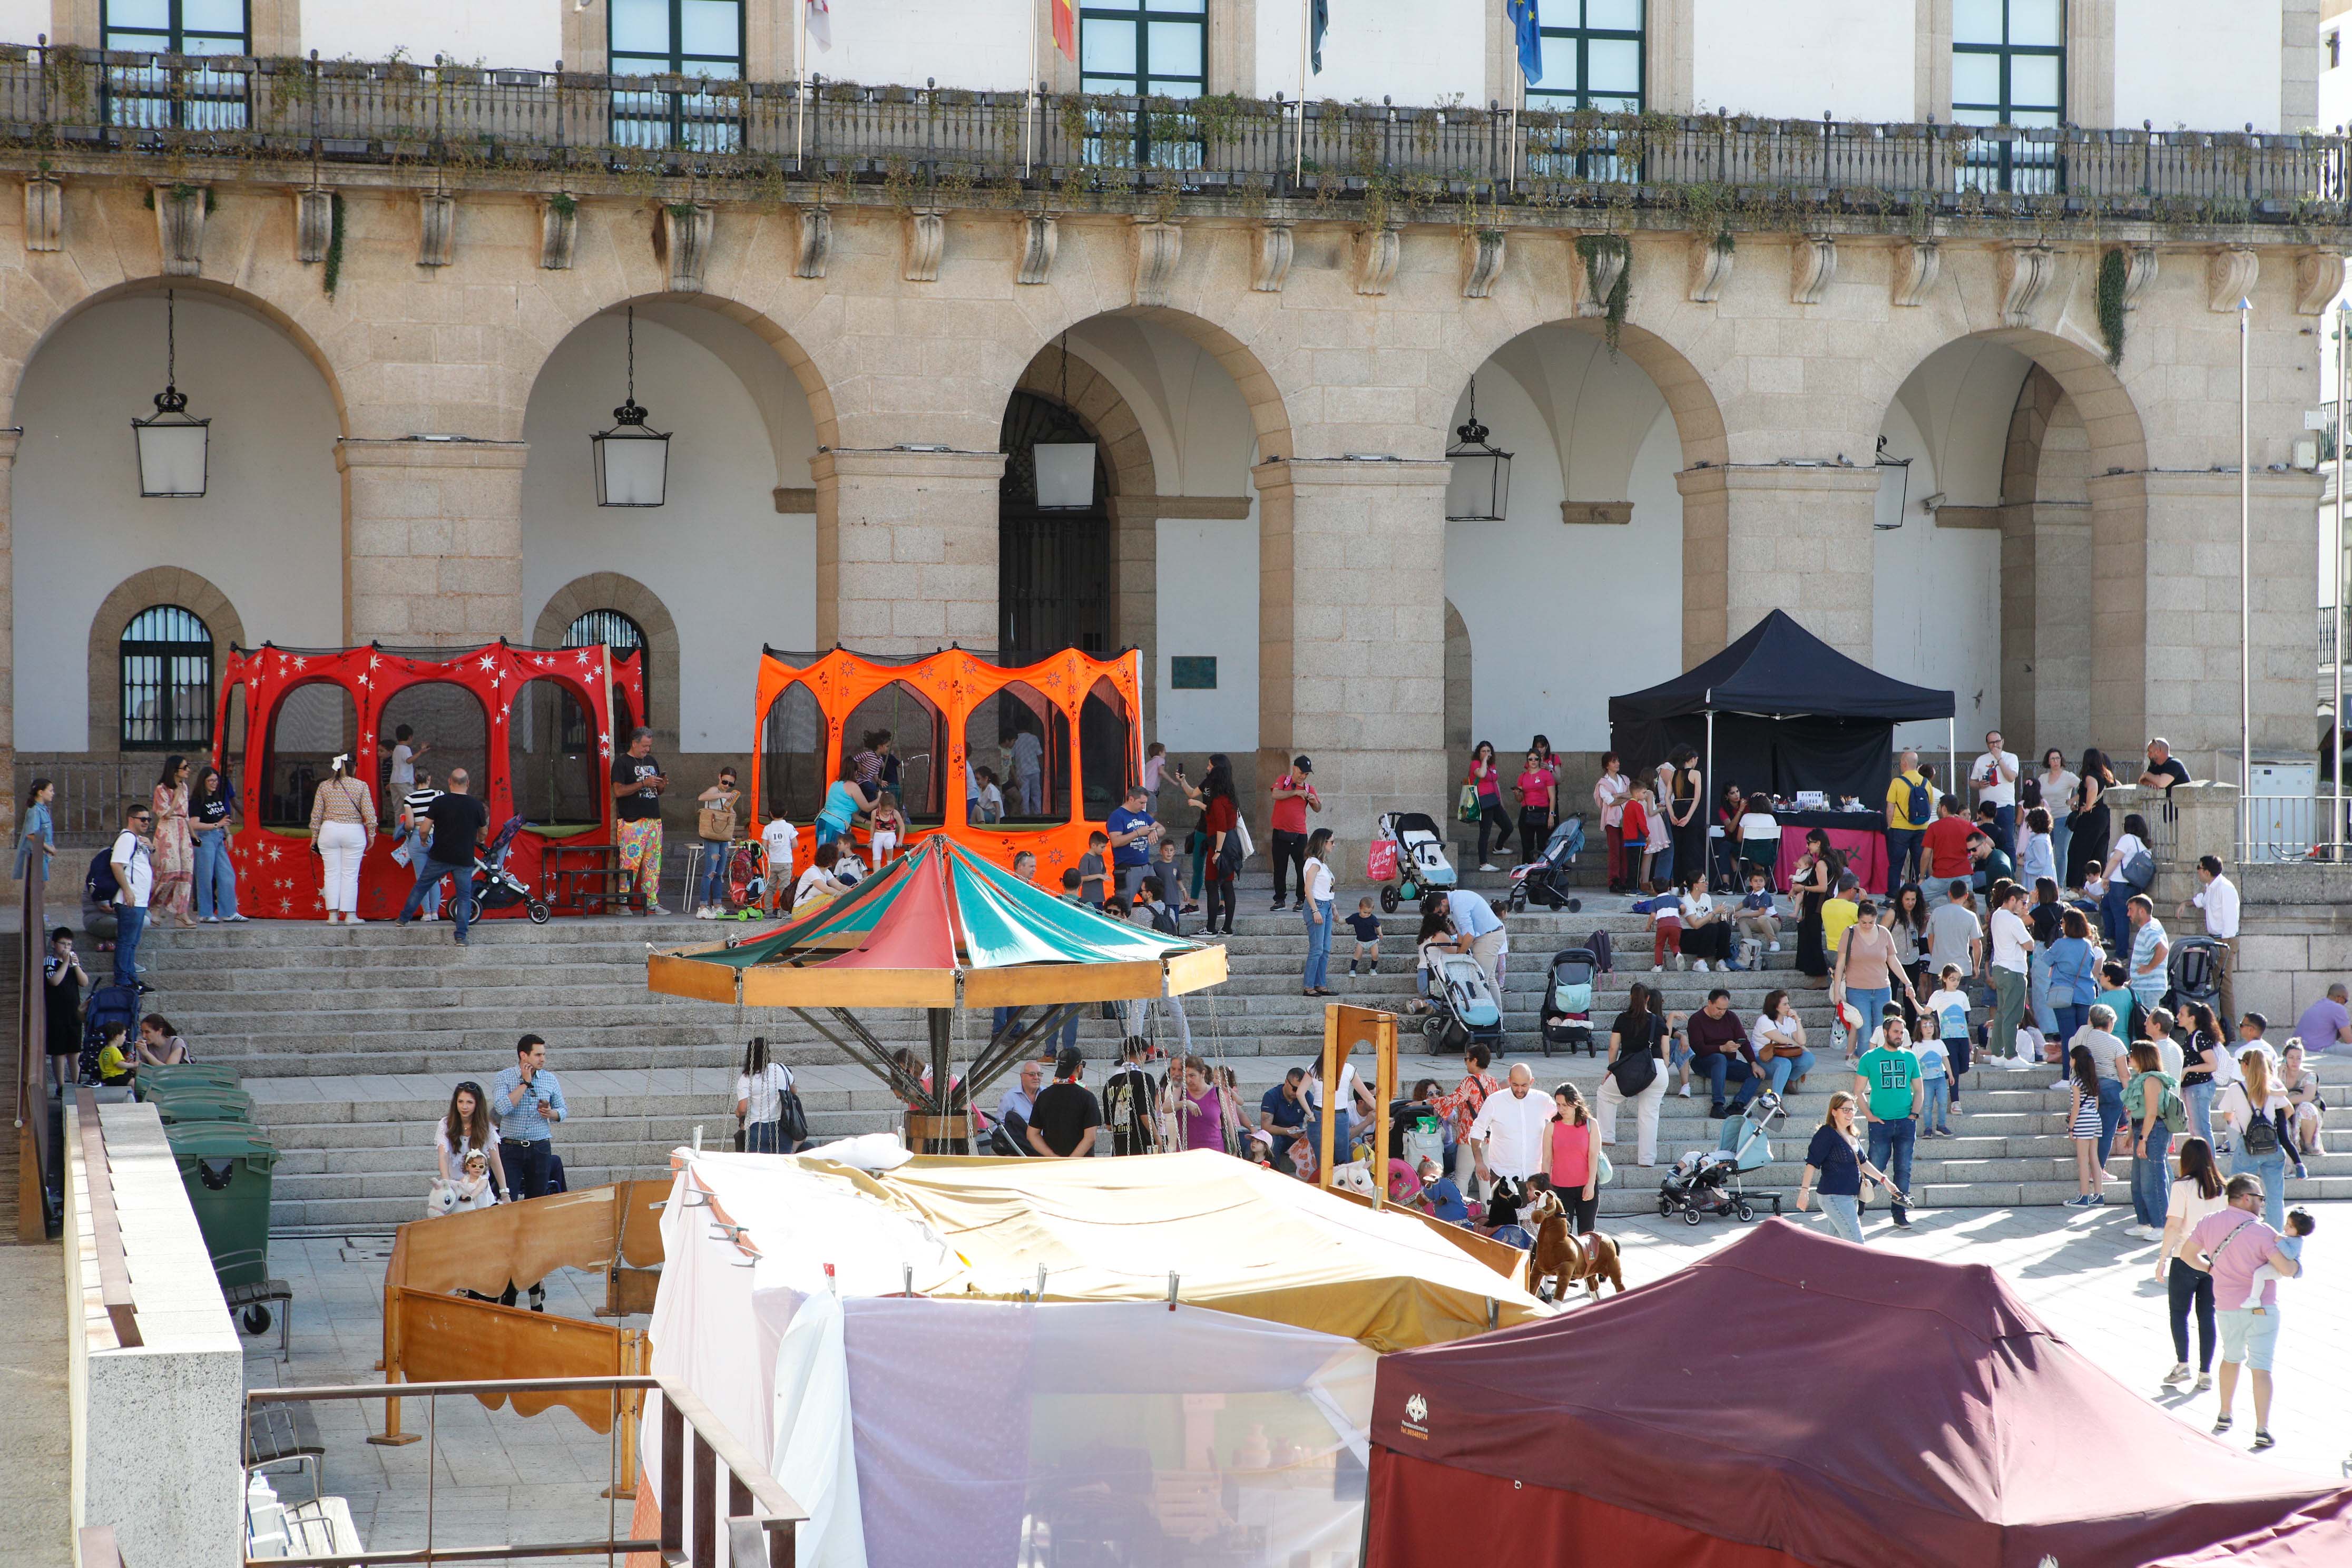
[[1367, 927]]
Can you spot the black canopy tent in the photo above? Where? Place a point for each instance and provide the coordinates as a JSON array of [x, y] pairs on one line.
[[1779, 710]]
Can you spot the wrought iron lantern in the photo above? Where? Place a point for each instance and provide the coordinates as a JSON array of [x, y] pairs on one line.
[[1065, 463], [632, 457], [1480, 487], [172, 447]]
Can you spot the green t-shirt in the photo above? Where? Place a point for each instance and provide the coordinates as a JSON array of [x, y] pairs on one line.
[[1890, 1075]]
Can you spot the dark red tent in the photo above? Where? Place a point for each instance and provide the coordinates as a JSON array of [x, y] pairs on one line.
[[1795, 1400]]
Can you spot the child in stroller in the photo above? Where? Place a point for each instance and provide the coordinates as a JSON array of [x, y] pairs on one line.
[[1416, 853], [1568, 1001], [1708, 1182], [493, 887], [1463, 1006], [1545, 878]]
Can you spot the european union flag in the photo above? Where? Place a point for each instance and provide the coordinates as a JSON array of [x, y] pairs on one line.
[[1530, 30], [1320, 18]]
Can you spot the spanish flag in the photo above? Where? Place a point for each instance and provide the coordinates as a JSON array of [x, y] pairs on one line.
[[1065, 28]]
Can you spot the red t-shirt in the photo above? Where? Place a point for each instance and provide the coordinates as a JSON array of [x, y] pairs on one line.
[[1633, 826], [1535, 789], [1290, 815], [1946, 843]]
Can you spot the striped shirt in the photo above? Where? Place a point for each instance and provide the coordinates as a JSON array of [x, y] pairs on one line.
[[524, 1122], [413, 803]]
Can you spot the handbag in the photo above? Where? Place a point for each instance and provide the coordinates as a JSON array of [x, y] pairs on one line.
[[1466, 809], [2140, 871], [1241, 833], [715, 822], [1635, 1072]]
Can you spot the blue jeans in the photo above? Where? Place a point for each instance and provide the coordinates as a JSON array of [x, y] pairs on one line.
[[2004, 822], [1340, 1131], [1890, 1149], [2070, 1017], [1939, 1117], [1318, 945], [2060, 836], [131, 925], [1661, 869], [2111, 1111], [1717, 1065], [2112, 918], [1844, 1211], [430, 878], [2037, 991], [2151, 1177], [1783, 1068], [216, 884], [1902, 843], [420, 856], [2271, 1169], [1871, 1003], [710, 886], [2198, 1099], [759, 1137]]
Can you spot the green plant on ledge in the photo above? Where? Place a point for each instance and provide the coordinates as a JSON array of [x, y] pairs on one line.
[[334, 271], [1592, 247], [564, 204], [2113, 269]]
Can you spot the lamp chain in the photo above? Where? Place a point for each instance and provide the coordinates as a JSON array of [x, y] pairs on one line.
[[171, 340], [633, 353]]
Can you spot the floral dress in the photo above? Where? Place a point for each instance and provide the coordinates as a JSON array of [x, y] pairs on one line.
[[175, 852]]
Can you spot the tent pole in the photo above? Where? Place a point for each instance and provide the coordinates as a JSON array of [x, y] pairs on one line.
[[1706, 793], [1952, 751]]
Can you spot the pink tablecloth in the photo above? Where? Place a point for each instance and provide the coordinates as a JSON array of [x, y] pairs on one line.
[[1864, 849]]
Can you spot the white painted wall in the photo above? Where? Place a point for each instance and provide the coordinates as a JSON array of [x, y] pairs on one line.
[[1539, 661], [1414, 51], [982, 45], [22, 21], [268, 535], [2191, 63], [1208, 604], [1798, 58], [519, 35], [730, 570]]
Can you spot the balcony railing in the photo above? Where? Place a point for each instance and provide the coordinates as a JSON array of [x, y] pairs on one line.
[[945, 144]]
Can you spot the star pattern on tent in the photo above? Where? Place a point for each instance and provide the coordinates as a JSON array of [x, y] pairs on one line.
[[489, 662], [299, 663], [583, 657]]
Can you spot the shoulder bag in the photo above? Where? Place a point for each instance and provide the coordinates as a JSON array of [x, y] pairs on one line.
[[716, 821], [1635, 1070]]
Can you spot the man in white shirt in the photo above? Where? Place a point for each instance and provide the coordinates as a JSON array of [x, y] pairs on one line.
[[1993, 775], [1475, 921], [782, 841], [133, 861], [2011, 944], [2218, 897], [1512, 1135]]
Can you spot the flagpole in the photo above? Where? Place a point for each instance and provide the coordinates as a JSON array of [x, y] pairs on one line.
[[1305, 27], [2245, 554], [1029, 91], [800, 125]]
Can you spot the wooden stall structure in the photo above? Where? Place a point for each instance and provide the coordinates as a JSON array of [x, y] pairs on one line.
[[1347, 1030], [534, 728]]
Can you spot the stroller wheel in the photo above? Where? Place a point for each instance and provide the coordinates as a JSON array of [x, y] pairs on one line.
[[1388, 900], [1690, 1215], [473, 910], [1518, 897], [1666, 1207], [1747, 1210], [540, 913]]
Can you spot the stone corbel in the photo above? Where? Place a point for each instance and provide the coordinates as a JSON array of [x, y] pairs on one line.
[[1378, 251], [1272, 267], [45, 215], [2318, 279], [1594, 285], [179, 228], [1159, 247], [1710, 269], [685, 229], [558, 233], [1917, 266], [1482, 256], [2230, 277], [816, 242], [1812, 267], [2026, 271], [314, 223], [927, 241], [1041, 238], [1591, 513], [437, 227], [2139, 271]]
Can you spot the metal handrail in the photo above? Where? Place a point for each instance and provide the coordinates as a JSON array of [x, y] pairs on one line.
[[937, 144], [760, 1514], [32, 1111]]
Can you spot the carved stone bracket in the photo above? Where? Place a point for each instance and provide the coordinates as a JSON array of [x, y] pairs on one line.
[[686, 230], [2026, 271], [1378, 251], [2139, 271], [1917, 266], [1159, 247], [816, 242], [437, 227], [1711, 270], [314, 223], [558, 235], [1595, 286], [1482, 262], [179, 228], [2230, 277], [2318, 279], [1272, 267], [1812, 267], [1041, 239], [927, 242], [45, 215]]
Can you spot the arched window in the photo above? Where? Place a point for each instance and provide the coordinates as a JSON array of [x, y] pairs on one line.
[[167, 681], [609, 629]]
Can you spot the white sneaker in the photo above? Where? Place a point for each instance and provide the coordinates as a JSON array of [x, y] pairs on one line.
[[354, 920], [1682, 962], [2062, 1083], [655, 909], [2204, 1381], [1776, 947], [1700, 966], [1484, 865], [2177, 1375], [1684, 1091], [1657, 969]]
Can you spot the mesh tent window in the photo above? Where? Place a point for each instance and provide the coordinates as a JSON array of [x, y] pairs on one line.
[[1024, 740], [450, 724], [167, 657], [792, 748], [918, 735], [554, 768], [315, 722]]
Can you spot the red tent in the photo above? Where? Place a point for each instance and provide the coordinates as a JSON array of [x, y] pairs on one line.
[[1795, 1400]]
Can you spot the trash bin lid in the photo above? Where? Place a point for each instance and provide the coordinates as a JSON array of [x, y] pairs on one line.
[[194, 1140], [179, 1111]]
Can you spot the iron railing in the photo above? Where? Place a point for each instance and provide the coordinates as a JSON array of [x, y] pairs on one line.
[[37, 1174], [950, 143]]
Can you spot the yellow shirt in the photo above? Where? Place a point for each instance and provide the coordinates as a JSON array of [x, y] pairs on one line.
[[111, 1067], [1836, 915], [1898, 802]]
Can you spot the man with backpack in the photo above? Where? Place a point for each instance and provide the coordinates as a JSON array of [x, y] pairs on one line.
[[1909, 805], [123, 876]]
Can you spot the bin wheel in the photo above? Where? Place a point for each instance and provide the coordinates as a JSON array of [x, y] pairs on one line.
[[256, 1319], [1690, 1217], [540, 913], [1388, 900]]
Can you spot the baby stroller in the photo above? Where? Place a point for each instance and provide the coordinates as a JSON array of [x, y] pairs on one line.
[[2194, 971], [1463, 1007], [1568, 1001], [1709, 1182], [1545, 877], [1421, 864], [493, 887]]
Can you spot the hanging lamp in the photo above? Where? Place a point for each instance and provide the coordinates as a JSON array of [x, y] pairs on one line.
[[1480, 487], [173, 449], [632, 457]]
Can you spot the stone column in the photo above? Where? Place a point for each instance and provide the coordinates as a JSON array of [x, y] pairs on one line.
[[9, 441], [1758, 538], [1351, 619], [432, 540], [906, 549]]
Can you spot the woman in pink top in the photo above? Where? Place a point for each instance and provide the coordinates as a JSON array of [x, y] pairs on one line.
[[1536, 786], [1575, 1158], [1199, 1109]]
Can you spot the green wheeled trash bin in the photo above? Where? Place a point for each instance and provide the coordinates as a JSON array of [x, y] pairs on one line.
[[155, 1082], [202, 1102], [227, 1166]]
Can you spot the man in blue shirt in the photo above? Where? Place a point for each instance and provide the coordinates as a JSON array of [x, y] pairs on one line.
[[1281, 1116], [1475, 920], [1132, 831], [525, 1103]]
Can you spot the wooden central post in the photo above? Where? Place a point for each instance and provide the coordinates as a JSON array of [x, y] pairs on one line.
[[1347, 1030]]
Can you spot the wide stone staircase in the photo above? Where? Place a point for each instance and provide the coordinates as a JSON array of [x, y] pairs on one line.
[[351, 1040]]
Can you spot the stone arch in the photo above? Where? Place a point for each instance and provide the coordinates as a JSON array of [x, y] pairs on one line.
[[1088, 394], [140, 591], [615, 591], [1698, 415], [1269, 414]]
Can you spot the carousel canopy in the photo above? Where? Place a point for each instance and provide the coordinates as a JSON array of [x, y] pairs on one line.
[[942, 928]]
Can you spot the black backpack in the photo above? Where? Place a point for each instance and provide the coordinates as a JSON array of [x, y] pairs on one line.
[[2262, 1138], [100, 883]]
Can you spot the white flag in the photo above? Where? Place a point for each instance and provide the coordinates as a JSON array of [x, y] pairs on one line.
[[820, 24]]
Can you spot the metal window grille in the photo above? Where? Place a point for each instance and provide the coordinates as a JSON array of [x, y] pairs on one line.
[[167, 681], [606, 629], [1052, 567]]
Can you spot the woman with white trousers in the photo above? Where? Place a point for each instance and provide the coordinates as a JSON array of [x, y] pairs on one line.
[[342, 819], [1636, 1057]]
